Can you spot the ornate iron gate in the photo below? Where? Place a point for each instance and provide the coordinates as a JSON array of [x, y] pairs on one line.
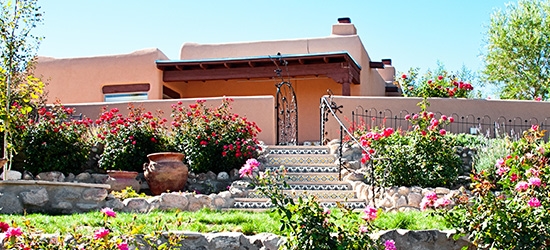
[[287, 114]]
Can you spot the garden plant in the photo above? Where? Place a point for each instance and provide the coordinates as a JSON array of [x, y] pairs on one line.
[[105, 235], [424, 156], [55, 141], [213, 138], [442, 85], [128, 139], [508, 207], [308, 224]]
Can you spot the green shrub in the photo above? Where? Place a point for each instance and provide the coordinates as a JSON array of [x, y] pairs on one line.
[[442, 84], [469, 141], [54, 142], [488, 154], [129, 139], [423, 157], [213, 139], [508, 206]]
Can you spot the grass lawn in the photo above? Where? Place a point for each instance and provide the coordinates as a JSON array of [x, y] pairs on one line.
[[202, 221]]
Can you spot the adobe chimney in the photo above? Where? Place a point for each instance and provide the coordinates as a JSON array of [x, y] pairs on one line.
[[344, 27]]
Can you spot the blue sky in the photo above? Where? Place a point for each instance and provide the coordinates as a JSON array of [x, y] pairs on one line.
[[412, 33]]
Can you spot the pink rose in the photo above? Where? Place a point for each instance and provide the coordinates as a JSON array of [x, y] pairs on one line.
[[122, 246], [389, 245], [108, 212], [522, 186], [534, 202], [13, 232], [101, 233], [534, 181], [371, 213]]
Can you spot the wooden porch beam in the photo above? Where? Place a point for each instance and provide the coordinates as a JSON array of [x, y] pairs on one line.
[[328, 69]]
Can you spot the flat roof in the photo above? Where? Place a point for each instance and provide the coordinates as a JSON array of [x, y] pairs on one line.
[[338, 65]]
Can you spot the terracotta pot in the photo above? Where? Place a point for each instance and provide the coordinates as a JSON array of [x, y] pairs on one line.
[[119, 180], [165, 172]]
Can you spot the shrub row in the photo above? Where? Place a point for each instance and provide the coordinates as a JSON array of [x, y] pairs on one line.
[[212, 138]]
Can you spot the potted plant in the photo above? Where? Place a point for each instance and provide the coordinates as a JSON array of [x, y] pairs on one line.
[[128, 139]]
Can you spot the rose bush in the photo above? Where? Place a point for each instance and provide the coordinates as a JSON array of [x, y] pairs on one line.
[[443, 85], [510, 203], [423, 157], [213, 139], [55, 141], [129, 139]]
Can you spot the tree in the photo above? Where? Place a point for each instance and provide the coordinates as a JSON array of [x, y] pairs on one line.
[[17, 50], [518, 50]]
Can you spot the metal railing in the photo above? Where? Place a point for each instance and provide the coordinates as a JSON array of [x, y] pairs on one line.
[[329, 108], [469, 124]]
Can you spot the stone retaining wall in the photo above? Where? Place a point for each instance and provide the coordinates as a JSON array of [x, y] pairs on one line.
[[404, 239], [399, 198], [55, 197], [19, 196]]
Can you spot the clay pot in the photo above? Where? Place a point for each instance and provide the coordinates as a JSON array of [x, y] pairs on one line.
[[165, 172], [119, 180]]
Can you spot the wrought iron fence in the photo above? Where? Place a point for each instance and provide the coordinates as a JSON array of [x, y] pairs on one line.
[[470, 124]]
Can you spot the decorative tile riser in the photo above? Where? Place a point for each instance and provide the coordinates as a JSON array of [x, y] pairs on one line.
[[300, 160], [290, 151], [306, 169], [327, 195], [266, 205], [311, 177], [319, 187], [252, 205]]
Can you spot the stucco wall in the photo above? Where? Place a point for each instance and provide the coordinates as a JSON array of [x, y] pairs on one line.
[[372, 83], [308, 91], [76, 80], [258, 109], [507, 111]]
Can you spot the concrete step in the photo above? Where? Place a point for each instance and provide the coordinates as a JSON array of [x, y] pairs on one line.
[[307, 169], [320, 194], [333, 185], [285, 150], [255, 204], [300, 160], [311, 177]]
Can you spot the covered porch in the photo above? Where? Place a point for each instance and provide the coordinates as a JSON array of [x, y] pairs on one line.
[[311, 76]]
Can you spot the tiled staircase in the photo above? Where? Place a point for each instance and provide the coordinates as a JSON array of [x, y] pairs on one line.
[[311, 170]]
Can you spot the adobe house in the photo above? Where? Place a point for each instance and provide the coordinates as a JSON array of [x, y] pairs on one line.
[[309, 68]]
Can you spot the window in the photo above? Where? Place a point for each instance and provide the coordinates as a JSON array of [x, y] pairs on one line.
[[126, 92], [125, 97]]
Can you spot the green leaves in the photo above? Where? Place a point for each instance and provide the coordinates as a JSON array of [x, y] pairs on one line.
[[501, 213], [213, 138], [517, 57]]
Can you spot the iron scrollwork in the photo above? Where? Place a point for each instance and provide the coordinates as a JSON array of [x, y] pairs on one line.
[[287, 114]]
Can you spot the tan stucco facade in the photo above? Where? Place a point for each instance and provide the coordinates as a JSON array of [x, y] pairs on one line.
[[84, 80], [79, 80]]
